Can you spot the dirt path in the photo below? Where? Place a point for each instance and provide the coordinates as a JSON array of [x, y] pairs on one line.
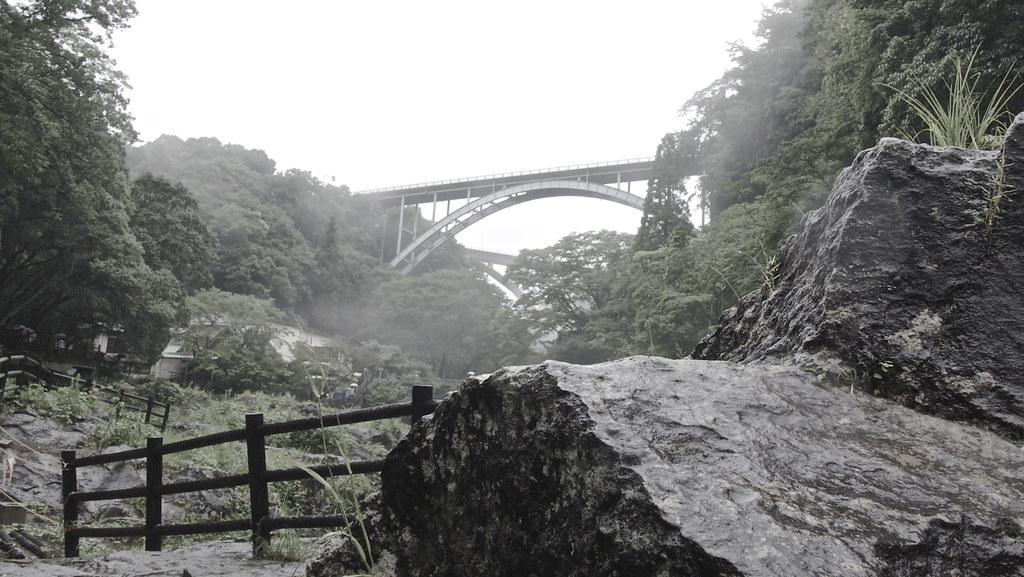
[[213, 559]]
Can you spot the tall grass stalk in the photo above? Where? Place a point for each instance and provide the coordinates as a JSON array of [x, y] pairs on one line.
[[360, 541], [996, 192], [962, 120]]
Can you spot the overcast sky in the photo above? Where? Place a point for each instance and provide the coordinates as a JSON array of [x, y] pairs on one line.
[[375, 93]]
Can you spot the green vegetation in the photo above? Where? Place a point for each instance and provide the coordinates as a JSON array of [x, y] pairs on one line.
[[201, 412], [210, 242], [963, 119], [66, 405], [66, 242], [996, 192]]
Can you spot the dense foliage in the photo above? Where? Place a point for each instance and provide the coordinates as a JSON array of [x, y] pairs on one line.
[[178, 230], [826, 79], [69, 260], [316, 252]]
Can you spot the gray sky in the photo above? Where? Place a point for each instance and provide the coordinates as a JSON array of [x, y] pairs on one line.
[[374, 93]]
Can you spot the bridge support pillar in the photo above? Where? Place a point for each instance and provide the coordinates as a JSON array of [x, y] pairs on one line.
[[401, 226]]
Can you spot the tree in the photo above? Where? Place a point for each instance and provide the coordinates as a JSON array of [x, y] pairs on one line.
[[165, 220], [260, 253], [867, 51], [68, 259], [221, 319], [665, 208], [273, 231], [231, 336], [745, 115], [574, 295], [341, 278], [442, 318]]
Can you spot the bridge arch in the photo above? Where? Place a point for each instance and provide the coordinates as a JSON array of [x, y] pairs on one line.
[[461, 218]]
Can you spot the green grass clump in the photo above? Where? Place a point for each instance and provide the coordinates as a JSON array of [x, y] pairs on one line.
[[963, 119]]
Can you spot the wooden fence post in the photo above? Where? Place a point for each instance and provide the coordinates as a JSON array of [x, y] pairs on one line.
[[3, 378], [21, 379], [154, 501], [259, 496], [422, 402], [69, 486]]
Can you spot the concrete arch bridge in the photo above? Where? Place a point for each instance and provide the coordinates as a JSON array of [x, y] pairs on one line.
[[480, 197]]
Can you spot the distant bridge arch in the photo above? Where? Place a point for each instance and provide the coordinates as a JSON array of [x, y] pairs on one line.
[[485, 195], [458, 220]]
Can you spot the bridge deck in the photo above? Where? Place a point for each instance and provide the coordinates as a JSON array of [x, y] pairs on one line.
[[600, 173]]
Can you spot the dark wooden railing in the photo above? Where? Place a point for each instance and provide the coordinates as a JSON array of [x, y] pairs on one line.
[[259, 522], [21, 369]]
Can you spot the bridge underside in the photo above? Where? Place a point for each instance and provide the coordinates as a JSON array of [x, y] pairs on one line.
[[479, 208]]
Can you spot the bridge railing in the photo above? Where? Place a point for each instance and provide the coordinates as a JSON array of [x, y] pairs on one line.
[[257, 478], [506, 175]]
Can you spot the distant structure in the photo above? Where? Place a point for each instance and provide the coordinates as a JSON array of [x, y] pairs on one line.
[[483, 196]]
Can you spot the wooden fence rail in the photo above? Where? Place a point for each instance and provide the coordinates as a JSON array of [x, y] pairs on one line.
[[21, 368], [257, 478]]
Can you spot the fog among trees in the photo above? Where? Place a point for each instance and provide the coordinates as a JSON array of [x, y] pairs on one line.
[[101, 232]]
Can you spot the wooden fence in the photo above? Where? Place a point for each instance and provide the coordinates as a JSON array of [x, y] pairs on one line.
[[259, 522], [20, 369]]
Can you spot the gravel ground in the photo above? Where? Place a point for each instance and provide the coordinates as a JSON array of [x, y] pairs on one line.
[[213, 559]]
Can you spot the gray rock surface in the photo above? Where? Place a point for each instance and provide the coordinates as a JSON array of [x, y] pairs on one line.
[[649, 466], [898, 284], [212, 559]]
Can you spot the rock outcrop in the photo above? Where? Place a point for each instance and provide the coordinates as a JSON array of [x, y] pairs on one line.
[[907, 281], [649, 466]]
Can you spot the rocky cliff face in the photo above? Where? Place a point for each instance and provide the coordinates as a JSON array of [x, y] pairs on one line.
[[905, 283], [783, 456]]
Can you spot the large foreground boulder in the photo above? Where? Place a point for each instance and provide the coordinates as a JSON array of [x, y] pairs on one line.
[[909, 282], [647, 466]]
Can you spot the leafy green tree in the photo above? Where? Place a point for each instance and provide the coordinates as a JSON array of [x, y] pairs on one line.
[[274, 232], [913, 46], [743, 117], [828, 79], [665, 207], [165, 220], [671, 309], [574, 295], [230, 338], [341, 279], [215, 173], [220, 317], [68, 259], [441, 318], [260, 253]]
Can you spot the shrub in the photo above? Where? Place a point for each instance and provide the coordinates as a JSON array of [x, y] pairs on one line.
[[68, 405], [123, 428]]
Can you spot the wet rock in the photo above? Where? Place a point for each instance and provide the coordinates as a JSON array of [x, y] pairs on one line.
[[202, 503], [654, 467], [39, 434], [211, 559], [110, 477], [904, 285], [958, 549]]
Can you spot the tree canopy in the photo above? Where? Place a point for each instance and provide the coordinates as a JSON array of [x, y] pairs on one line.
[[69, 261], [206, 226]]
